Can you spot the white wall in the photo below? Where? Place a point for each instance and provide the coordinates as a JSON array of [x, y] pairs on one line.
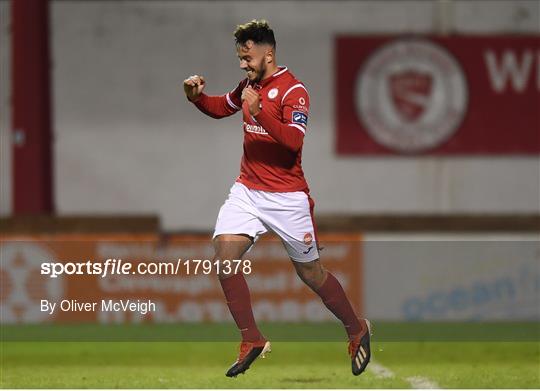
[[128, 142]]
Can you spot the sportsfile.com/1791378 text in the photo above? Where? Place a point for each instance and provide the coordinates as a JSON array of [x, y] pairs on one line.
[[114, 266]]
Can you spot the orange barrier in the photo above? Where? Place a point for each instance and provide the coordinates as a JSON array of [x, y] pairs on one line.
[[179, 294]]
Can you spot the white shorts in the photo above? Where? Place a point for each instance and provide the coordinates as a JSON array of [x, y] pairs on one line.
[[255, 212]]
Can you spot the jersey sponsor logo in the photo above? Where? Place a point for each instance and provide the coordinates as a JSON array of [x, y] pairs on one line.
[[302, 101], [299, 118], [411, 95], [254, 128], [273, 93]]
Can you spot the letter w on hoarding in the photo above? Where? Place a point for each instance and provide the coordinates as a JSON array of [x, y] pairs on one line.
[[510, 68]]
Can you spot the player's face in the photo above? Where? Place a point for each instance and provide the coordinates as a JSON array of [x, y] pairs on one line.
[[253, 60]]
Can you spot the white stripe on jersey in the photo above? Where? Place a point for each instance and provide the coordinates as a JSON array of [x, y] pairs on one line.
[[280, 72], [292, 88], [230, 102], [298, 127]]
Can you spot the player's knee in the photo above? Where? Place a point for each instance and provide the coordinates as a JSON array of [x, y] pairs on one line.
[[311, 273]]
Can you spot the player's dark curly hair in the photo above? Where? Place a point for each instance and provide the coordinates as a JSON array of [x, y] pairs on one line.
[[258, 31]]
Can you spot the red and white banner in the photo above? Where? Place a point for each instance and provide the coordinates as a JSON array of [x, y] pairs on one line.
[[435, 95]]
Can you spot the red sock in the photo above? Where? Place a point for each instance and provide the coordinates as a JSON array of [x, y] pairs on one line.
[[238, 300], [334, 298]]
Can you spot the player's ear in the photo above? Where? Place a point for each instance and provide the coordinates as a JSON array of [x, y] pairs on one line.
[[269, 56]]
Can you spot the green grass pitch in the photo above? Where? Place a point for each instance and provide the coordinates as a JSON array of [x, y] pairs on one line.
[[449, 364]]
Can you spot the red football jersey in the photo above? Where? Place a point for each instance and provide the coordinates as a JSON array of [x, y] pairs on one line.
[[272, 159]]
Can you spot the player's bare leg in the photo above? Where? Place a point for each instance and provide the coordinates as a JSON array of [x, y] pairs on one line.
[[238, 299], [312, 273], [230, 247], [333, 296]]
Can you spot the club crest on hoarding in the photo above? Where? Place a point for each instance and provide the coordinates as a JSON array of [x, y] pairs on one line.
[[411, 95], [23, 286], [411, 92]]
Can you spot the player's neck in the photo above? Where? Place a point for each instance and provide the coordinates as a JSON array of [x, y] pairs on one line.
[[273, 68]]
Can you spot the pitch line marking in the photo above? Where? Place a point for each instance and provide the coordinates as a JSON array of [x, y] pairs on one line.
[[380, 371], [420, 382], [417, 382]]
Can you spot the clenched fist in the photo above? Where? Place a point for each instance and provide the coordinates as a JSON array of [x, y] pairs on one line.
[[252, 99], [193, 87]]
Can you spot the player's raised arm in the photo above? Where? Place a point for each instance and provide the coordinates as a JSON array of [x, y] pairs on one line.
[[291, 130], [213, 106]]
